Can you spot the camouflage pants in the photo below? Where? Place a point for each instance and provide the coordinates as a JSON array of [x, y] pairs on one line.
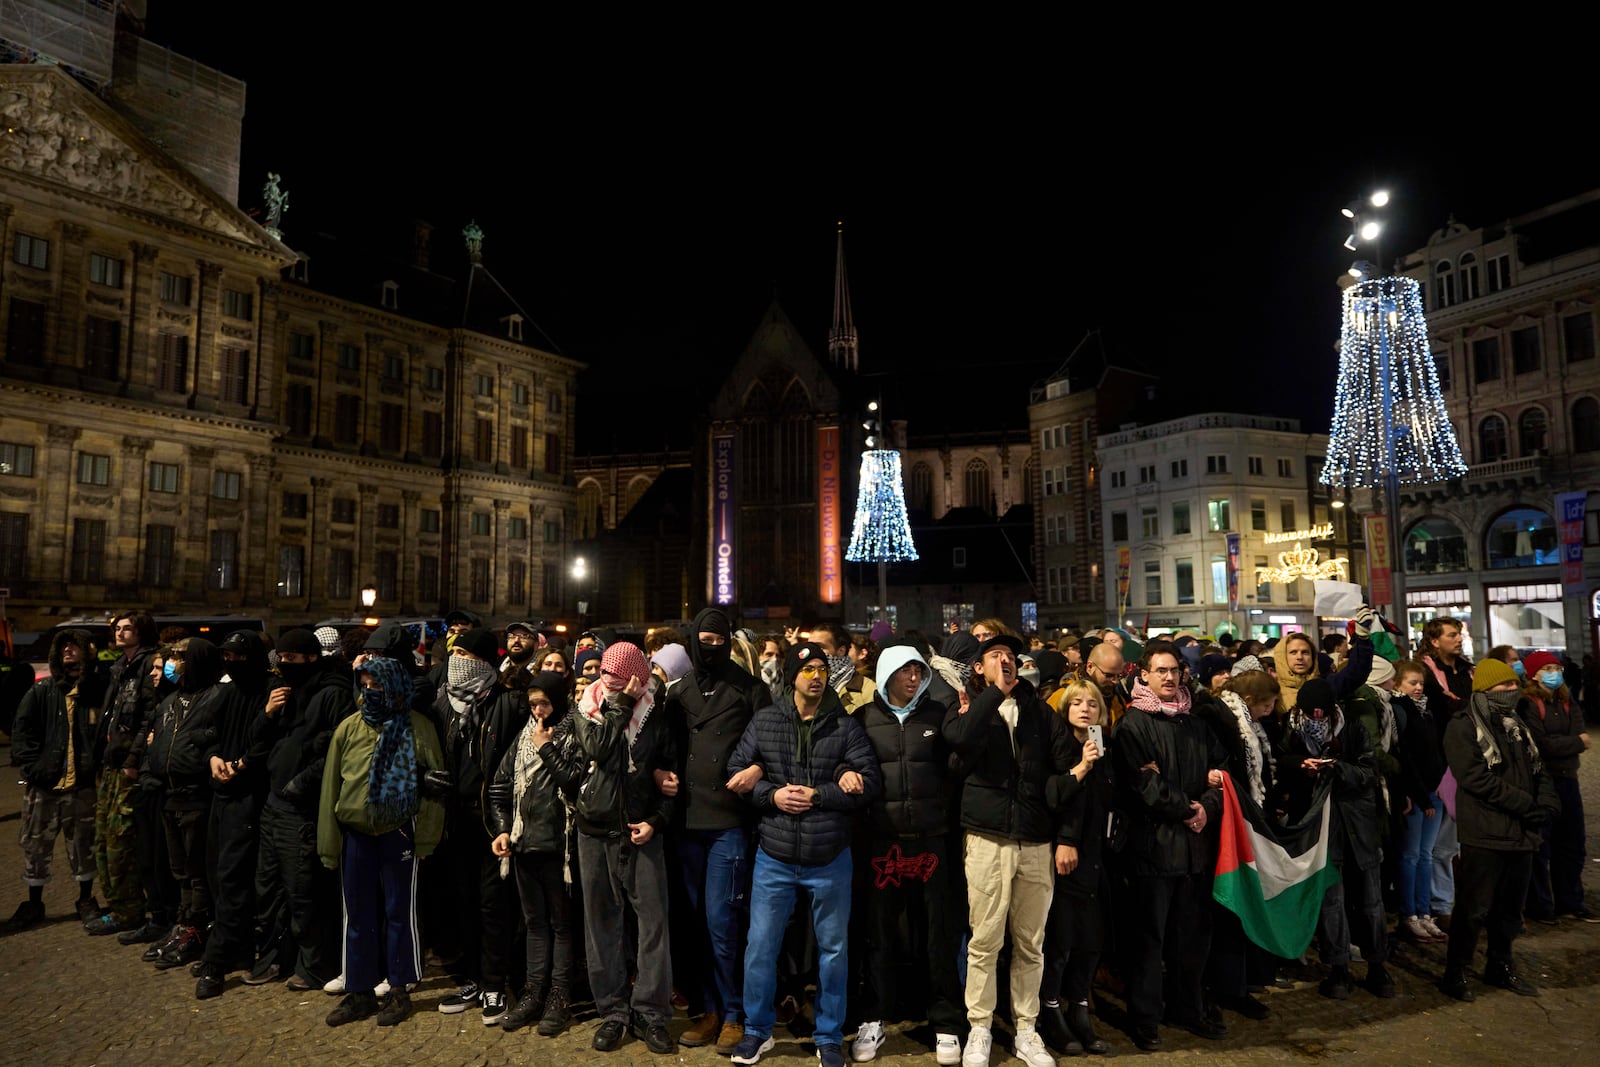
[[116, 854], [47, 814]]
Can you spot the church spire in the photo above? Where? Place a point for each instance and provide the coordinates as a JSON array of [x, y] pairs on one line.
[[842, 348]]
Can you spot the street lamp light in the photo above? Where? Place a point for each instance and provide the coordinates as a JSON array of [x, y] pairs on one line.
[[369, 597], [580, 573]]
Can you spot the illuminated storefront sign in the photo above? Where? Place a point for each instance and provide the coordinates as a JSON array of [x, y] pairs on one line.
[[722, 519], [1322, 531]]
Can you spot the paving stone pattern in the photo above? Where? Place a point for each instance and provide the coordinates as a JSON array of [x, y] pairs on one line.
[[76, 1000]]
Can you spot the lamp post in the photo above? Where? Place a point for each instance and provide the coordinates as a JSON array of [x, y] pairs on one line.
[[369, 599], [882, 531], [580, 572]]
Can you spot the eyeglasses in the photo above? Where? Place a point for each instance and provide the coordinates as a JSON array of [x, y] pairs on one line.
[[814, 667], [1164, 671]]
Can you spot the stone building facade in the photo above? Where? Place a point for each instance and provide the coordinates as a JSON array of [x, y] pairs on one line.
[[1511, 318], [185, 425]]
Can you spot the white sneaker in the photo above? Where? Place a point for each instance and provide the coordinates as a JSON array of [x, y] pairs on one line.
[[947, 1050], [977, 1054], [1433, 928], [1030, 1049], [334, 985], [868, 1039]]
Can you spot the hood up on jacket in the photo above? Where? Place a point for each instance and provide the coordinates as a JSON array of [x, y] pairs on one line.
[[202, 664], [891, 659], [85, 643]]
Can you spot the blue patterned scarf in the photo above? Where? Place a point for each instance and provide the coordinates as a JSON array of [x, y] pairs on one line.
[[392, 779]]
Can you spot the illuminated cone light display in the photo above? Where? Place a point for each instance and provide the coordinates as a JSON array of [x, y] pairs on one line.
[[1389, 417], [882, 532]]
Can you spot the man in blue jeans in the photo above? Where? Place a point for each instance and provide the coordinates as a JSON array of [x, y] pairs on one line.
[[809, 768], [708, 712]]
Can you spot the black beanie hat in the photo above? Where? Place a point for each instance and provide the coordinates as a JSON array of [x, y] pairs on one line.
[[558, 687], [301, 643], [798, 657], [481, 643], [1315, 695]]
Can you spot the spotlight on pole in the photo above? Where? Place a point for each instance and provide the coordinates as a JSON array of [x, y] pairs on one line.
[[1370, 231], [1380, 198], [1350, 243], [1350, 209]]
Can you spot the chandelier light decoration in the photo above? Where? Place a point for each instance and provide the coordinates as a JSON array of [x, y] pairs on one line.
[[1299, 563], [1384, 354], [882, 532]]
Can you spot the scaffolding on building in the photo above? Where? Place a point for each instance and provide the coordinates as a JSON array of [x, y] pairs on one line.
[[79, 35]]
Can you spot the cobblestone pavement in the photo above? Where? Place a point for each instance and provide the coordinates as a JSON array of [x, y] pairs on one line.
[[81, 1001]]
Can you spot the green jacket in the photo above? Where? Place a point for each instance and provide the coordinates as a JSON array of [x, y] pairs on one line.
[[344, 788]]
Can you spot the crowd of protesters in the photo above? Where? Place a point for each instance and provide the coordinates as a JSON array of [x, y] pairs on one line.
[[827, 831]]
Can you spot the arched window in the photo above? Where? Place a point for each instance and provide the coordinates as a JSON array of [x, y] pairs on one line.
[[1467, 273], [1522, 537], [1492, 444], [1586, 425], [919, 488], [636, 489], [978, 492], [589, 520], [1444, 284], [1531, 432], [1434, 546]]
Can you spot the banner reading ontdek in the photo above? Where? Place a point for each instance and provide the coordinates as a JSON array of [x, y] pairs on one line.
[[830, 561], [722, 519]]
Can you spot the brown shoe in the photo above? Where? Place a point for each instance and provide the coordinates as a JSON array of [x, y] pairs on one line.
[[729, 1038], [701, 1031]]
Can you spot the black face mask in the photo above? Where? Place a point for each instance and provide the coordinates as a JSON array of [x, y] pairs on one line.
[[296, 675], [247, 673], [713, 656]]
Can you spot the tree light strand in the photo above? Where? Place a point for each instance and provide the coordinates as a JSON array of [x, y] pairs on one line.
[[882, 532]]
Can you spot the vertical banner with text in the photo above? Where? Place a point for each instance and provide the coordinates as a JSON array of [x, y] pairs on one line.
[[1124, 569], [722, 519], [1379, 562], [830, 560], [1233, 572], [1570, 508]]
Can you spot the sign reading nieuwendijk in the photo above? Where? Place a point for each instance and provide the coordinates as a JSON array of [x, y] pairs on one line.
[[722, 515], [1322, 531], [830, 568]]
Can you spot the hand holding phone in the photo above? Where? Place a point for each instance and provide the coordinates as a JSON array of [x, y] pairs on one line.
[[1097, 735]]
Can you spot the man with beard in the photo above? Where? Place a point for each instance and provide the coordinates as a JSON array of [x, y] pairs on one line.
[[523, 643], [482, 719], [708, 712], [1013, 746], [237, 759], [1169, 769], [130, 701], [1103, 669], [296, 899], [54, 744]]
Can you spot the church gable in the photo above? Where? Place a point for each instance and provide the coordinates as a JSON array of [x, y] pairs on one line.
[[777, 373], [56, 132]]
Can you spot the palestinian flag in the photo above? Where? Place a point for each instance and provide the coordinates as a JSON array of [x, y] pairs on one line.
[[1274, 877]]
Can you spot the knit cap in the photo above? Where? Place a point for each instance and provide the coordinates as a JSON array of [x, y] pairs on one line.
[[1491, 672]]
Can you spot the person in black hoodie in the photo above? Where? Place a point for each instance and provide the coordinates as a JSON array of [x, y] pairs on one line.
[[482, 718], [1319, 738], [296, 897], [708, 711], [907, 850], [130, 700], [1012, 745], [237, 758], [528, 811], [54, 743], [185, 731], [621, 815], [1421, 770]]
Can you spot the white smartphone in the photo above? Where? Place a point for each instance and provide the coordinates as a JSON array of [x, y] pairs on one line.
[[1097, 735]]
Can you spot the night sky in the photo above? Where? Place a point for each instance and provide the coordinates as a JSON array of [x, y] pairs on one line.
[[644, 204]]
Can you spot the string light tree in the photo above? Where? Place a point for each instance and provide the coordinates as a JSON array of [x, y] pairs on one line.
[[1389, 421], [882, 531]]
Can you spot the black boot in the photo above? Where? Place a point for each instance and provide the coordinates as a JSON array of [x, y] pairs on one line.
[[1337, 985], [1378, 983], [556, 1013], [1053, 1029], [528, 1007], [396, 1007], [210, 983], [1454, 984], [1082, 1029]]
